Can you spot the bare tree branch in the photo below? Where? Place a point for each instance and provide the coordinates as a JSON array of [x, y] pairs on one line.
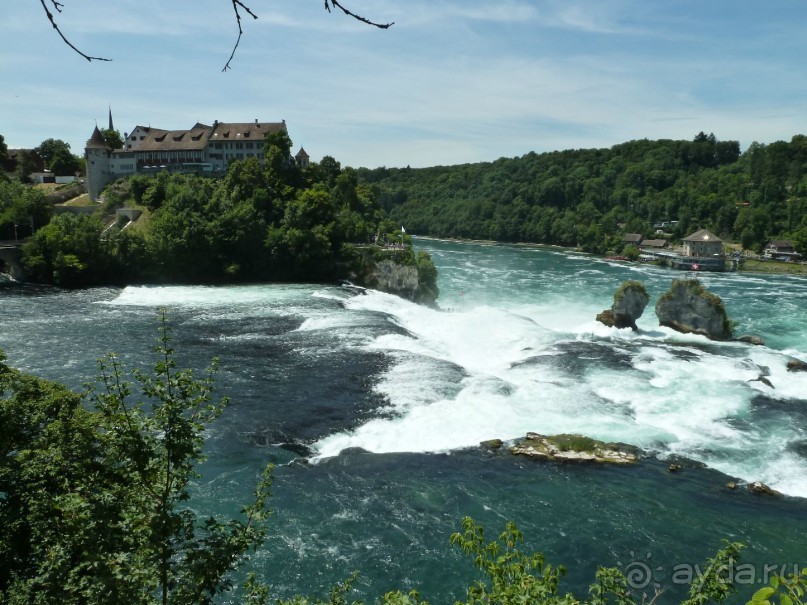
[[335, 3], [58, 7], [236, 4]]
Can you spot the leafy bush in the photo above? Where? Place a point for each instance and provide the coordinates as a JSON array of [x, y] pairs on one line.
[[630, 252], [93, 506]]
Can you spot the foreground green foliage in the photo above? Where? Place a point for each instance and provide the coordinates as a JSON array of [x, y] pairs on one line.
[[515, 578], [590, 197], [93, 502], [791, 590]]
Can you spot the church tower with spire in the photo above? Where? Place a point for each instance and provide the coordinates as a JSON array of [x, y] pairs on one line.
[[110, 119]]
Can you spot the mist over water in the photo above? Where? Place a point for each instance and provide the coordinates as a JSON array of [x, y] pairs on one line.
[[373, 409]]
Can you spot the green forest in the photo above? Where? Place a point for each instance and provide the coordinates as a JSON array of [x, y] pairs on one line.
[[588, 198], [276, 221]]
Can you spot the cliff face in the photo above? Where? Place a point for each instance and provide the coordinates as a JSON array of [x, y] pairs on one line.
[[389, 276], [400, 273], [689, 308]]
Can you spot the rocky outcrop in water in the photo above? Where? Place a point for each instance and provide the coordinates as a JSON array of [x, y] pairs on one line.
[[630, 300], [574, 448], [398, 271], [796, 365], [689, 308], [764, 380], [757, 487], [751, 339], [389, 276]]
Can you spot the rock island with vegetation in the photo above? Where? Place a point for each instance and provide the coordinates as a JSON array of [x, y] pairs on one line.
[[689, 308]]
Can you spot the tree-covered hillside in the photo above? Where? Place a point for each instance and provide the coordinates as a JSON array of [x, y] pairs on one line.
[[271, 221], [589, 197]]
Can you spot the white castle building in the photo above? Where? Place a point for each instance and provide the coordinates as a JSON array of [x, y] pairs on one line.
[[203, 148]]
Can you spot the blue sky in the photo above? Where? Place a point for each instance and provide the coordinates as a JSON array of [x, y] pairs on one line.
[[453, 81]]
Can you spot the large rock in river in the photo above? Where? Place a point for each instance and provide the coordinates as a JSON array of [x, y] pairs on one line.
[[398, 271], [389, 276], [630, 299], [574, 448], [689, 308], [796, 365]]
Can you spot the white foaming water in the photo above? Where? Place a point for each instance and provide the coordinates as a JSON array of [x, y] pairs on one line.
[[484, 372], [232, 302], [207, 296], [520, 352], [457, 380]]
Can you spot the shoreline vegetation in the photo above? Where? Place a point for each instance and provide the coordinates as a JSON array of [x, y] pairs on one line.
[[773, 267]]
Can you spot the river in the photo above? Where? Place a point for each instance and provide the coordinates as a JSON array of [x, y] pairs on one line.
[[373, 408]]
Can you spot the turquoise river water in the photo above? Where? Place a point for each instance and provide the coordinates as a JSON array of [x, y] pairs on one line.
[[373, 409]]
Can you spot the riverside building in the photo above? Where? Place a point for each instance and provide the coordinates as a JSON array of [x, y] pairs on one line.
[[202, 148]]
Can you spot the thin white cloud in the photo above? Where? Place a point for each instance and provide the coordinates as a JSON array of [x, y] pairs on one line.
[[589, 18], [499, 12]]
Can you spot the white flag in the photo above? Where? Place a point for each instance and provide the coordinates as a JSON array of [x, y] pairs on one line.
[[402, 229]]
